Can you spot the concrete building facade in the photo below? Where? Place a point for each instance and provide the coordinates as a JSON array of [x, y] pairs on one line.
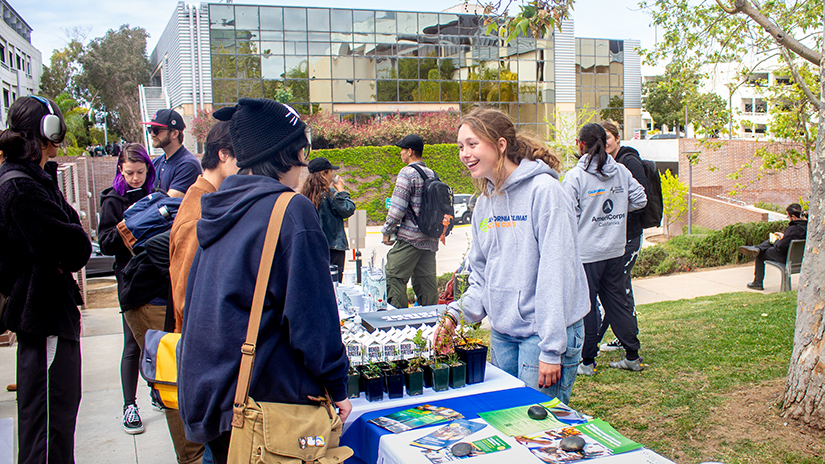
[[21, 64]]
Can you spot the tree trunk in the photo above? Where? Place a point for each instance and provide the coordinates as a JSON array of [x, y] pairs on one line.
[[805, 386]]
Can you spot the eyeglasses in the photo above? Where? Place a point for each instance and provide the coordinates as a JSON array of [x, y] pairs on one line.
[[156, 130]]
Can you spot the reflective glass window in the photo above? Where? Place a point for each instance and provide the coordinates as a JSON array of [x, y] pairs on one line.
[[299, 89], [222, 41], [319, 48], [224, 91], [272, 18], [246, 17], [428, 23], [248, 66], [272, 67], [588, 47], [341, 21], [407, 23], [387, 91], [342, 68], [296, 36], [318, 19], [363, 21], [319, 67], [223, 66], [408, 68], [343, 91], [295, 19], [318, 36], [221, 17], [450, 91], [297, 67], [430, 91], [340, 37], [448, 24], [386, 68], [364, 67], [272, 48], [365, 91], [385, 22], [249, 88], [408, 91]]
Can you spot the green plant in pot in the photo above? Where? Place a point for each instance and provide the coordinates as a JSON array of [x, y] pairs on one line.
[[438, 371], [414, 372], [393, 379], [353, 383], [471, 350], [373, 379], [458, 371]]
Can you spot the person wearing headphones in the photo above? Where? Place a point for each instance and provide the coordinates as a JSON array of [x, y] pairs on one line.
[[41, 244]]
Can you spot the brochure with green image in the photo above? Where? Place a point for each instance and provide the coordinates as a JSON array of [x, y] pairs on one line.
[[515, 421], [413, 418], [601, 439], [479, 447]]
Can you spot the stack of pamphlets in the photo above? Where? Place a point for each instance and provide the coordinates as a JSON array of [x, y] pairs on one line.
[[413, 418], [600, 440]]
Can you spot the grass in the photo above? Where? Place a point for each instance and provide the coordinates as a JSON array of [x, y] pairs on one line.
[[697, 352]]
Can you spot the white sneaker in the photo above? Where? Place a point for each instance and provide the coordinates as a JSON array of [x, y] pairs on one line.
[[586, 369], [615, 345]]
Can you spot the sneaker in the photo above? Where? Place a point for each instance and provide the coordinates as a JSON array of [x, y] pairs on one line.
[[131, 422], [755, 286], [586, 369], [615, 345], [751, 251], [635, 365]]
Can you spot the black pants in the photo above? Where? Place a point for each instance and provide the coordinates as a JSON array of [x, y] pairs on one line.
[[338, 258], [220, 448], [129, 365], [48, 397], [769, 253], [605, 280], [631, 252]]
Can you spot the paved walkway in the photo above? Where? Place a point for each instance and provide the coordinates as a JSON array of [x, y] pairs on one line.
[[99, 438]]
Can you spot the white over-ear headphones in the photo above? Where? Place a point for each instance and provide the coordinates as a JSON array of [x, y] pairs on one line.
[[50, 126]]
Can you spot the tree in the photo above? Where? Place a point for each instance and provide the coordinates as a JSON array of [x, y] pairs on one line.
[[722, 31], [201, 125], [674, 199], [62, 72], [113, 66], [615, 110]]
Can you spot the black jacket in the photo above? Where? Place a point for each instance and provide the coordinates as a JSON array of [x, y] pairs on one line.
[[41, 244], [630, 158], [334, 208], [146, 276], [796, 230], [112, 206]]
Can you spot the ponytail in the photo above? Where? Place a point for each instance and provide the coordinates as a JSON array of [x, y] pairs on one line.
[[595, 140]]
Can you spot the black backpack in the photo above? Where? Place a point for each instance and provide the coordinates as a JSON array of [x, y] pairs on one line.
[[436, 202], [652, 213]]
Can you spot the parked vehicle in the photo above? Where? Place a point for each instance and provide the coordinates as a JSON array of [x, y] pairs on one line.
[[463, 211], [100, 265]]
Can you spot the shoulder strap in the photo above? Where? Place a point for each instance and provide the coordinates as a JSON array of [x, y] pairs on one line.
[[422, 173], [9, 175], [273, 231]]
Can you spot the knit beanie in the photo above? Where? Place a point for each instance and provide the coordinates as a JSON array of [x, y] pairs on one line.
[[259, 128]]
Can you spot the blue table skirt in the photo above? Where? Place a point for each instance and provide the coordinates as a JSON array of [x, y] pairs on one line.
[[364, 437]]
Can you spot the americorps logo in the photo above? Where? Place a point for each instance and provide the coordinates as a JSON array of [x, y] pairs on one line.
[[607, 207], [501, 221]]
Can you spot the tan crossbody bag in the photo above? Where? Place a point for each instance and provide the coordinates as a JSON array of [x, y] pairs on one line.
[[279, 432]]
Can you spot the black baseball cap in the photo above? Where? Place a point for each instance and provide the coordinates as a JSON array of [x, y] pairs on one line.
[[319, 165], [169, 119], [412, 141]]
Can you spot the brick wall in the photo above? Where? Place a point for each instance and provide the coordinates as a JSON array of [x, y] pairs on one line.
[[716, 214], [710, 175]]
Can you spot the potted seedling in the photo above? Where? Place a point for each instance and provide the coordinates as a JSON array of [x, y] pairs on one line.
[[393, 380], [373, 382], [471, 350], [353, 383], [438, 371], [458, 371], [414, 373]]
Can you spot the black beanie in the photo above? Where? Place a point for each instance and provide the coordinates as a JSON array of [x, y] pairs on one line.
[[259, 128]]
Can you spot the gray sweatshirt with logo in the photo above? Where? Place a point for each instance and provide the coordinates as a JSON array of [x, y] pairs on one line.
[[601, 202], [525, 271]]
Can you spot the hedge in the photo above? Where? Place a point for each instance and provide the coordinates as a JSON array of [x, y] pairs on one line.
[[717, 248], [370, 173]]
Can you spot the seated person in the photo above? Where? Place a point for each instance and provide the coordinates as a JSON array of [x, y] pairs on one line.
[[777, 251]]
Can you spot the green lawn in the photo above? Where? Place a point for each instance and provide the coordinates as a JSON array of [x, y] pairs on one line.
[[696, 352]]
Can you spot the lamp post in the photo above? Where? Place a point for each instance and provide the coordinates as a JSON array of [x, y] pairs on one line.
[[693, 158]]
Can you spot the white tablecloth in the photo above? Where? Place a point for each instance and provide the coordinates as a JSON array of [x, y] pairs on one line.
[[494, 379], [396, 449]]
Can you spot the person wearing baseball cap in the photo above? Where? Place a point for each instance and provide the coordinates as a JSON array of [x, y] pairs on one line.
[[177, 168], [326, 191], [413, 252], [300, 314]]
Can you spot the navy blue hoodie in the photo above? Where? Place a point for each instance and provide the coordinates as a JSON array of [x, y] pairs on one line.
[[299, 348]]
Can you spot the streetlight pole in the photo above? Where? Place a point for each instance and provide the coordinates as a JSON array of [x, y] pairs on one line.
[[692, 159]]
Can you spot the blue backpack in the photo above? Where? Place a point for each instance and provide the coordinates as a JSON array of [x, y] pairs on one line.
[[148, 217]]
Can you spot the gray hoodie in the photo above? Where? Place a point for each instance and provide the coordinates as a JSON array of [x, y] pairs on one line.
[[525, 272], [602, 202]]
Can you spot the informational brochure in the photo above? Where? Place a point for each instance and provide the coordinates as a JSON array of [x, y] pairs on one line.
[[515, 421], [565, 413], [413, 418], [449, 434], [480, 447], [600, 438]]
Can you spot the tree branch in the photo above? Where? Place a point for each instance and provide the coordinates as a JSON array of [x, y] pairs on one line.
[[798, 78], [781, 37]]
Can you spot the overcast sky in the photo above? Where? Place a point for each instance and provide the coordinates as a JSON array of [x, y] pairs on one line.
[[614, 19]]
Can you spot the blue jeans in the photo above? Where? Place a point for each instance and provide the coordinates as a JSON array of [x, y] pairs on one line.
[[519, 357]]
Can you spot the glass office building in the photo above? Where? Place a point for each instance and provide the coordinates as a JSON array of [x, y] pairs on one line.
[[362, 64]]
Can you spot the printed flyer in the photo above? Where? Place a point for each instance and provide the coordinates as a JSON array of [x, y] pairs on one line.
[[480, 447], [413, 418], [448, 435], [601, 439], [515, 421]]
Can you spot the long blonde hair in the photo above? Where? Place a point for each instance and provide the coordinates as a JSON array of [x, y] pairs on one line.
[[491, 125], [316, 188]]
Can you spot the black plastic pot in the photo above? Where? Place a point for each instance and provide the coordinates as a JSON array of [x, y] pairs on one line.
[[353, 384], [458, 375], [394, 382], [440, 376], [374, 388], [476, 361], [415, 382]]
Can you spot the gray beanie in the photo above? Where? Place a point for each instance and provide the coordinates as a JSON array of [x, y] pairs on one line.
[[259, 128]]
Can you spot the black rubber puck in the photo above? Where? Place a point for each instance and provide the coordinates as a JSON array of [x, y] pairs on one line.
[[572, 443], [537, 412], [460, 450]]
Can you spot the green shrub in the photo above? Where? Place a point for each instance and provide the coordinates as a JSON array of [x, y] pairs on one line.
[[716, 248], [770, 207], [369, 173], [442, 284]]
